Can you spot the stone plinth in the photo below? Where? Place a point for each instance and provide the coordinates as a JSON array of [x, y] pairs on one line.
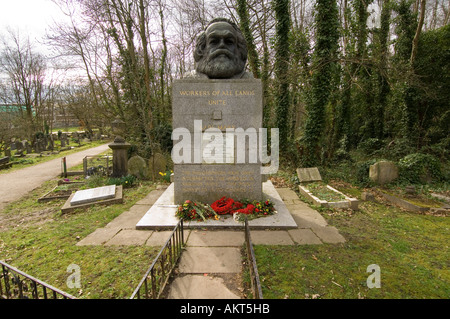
[[219, 157], [120, 157]]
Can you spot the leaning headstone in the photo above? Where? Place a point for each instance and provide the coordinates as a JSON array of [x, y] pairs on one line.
[[137, 166], [383, 172], [309, 174]]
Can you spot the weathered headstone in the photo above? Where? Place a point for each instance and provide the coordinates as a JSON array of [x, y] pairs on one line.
[[157, 163], [383, 172], [137, 166], [310, 174]]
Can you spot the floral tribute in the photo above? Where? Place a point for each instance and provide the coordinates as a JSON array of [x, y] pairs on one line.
[[240, 210]]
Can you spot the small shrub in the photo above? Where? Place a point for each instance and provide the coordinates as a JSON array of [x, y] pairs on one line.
[[370, 145], [126, 181], [420, 168], [362, 172]]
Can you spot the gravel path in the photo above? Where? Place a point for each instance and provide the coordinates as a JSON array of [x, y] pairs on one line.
[[16, 184]]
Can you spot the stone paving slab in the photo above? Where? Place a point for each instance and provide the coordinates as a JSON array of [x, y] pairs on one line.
[[195, 260], [128, 219], [129, 237], [270, 237], [151, 198], [199, 287], [329, 234], [159, 238], [304, 237], [99, 236], [216, 238]]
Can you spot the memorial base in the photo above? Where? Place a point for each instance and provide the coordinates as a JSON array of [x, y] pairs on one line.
[[162, 214]]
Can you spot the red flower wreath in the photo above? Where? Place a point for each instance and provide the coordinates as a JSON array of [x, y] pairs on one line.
[[223, 206], [247, 210]]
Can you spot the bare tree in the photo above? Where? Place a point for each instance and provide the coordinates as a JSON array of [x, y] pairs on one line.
[[25, 69]]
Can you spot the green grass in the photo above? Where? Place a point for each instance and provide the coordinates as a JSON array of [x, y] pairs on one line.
[[44, 246], [411, 250]]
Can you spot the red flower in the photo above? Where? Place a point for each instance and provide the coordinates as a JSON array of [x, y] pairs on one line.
[[223, 206]]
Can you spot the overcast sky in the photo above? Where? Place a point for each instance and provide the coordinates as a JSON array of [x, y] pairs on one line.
[[29, 17]]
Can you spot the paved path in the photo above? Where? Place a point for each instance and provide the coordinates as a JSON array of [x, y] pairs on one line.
[[18, 183], [210, 266]]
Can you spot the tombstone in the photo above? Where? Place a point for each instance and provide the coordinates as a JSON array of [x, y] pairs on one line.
[[63, 142], [93, 195], [156, 163], [217, 112], [137, 166], [51, 144], [310, 174], [383, 172], [8, 152], [28, 147]]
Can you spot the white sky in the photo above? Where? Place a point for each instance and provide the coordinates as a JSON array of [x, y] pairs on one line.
[[28, 17]]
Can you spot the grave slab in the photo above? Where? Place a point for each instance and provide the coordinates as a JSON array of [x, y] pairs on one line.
[[67, 207], [93, 195]]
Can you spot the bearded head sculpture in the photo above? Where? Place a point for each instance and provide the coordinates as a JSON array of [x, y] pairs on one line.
[[221, 51]]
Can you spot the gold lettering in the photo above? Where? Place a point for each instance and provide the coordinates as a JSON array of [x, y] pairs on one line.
[[244, 93], [217, 102]]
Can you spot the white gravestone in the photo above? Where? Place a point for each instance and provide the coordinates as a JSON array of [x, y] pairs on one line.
[[93, 195]]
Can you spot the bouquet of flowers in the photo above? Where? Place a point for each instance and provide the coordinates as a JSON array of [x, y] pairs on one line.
[[253, 210], [195, 211], [240, 210]]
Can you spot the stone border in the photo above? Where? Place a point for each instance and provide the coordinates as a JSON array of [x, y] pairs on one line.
[[402, 203], [349, 202], [47, 198], [67, 208]]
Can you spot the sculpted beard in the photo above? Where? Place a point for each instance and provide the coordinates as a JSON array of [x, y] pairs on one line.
[[220, 64]]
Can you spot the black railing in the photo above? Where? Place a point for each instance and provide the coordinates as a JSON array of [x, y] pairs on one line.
[[155, 279], [15, 284], [254, 276]]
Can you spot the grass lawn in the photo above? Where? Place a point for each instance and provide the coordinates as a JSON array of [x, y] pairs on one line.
[[410, 249], [37, 239]]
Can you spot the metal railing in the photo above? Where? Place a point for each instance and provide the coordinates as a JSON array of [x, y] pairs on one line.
[[155, 279], [15, 284], [254, 276]]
